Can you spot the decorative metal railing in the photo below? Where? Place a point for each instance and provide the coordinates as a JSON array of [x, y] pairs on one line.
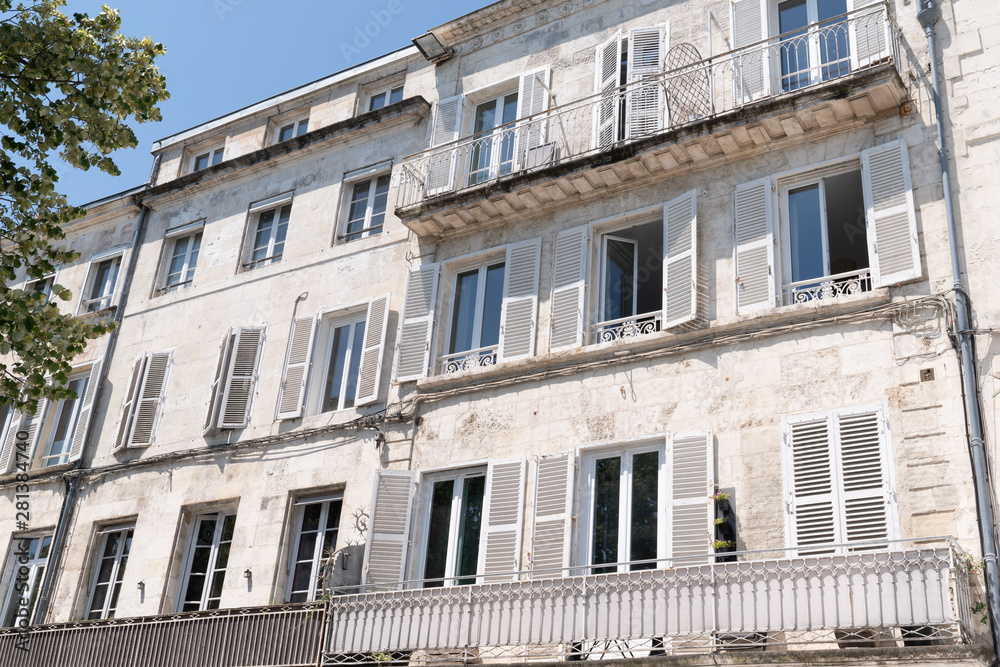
[[829, 287], [893, 594], [627, 327], [690, 90], [465, 361]]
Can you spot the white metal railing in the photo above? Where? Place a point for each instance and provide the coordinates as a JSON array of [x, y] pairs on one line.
[[896, 593], [828, 287], [691, 92], [627, 327], [469, 359]]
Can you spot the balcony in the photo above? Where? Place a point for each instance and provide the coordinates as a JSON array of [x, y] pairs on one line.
[[793, 87], [896, 595]]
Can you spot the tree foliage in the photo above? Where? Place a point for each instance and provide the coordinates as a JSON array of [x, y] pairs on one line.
[[68, 87]]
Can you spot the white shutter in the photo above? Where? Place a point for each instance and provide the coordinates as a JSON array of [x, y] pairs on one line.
[[292, 392], [680, 260], [862, 445], [645, 102], [389, 528], [441, 165], [606, 83], [241, 375], [752, 70], [869, 32], [809, 488], [374, 349], [217, 389], [86, 407], [7, 455], [532, 98], [32, 424], [417, 324], [753, 230], [150, 399], [519, 313], [553, 513], [891, 219], [569, 288], [500, 543], [128, 411], [690, 509]]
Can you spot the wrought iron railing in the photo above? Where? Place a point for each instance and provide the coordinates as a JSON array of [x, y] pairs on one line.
[[627, 328], [682, 95], [469, 359], [828, 287]]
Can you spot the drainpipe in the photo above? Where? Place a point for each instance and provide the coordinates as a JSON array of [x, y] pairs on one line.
[[928, 16]]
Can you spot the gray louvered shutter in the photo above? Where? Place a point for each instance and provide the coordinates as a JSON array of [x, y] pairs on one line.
[[680, 260], [149, 399], [441, 164], [374, 349], [645, 104], [751, 77], [606, 84], [550, 537], [417, 324], [7, 455], [389, 528], [217, 389], [532, 98], [519, 313], [241, 377], [869, 33], [86, 407], [809, 484], [862, 444], [753, 230], [892, 221], [569, 288], [690, 510], [500, 543], [128, 405], [292, 392]]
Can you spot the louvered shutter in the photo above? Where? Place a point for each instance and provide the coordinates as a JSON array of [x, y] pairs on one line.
[[645, 101], [31, 423], [241, 376], [519, 313], [86, 407], [374, 349], [389, 528], [150, 399], [217, 389], [606, 84], [809, 482], [867, 498], [441, 164], [128, 406], [892, 221], [752, 72], [7, 456], [532, 98], [690, 510], [753, 229], [417, 323], [553, 513], [500, 543], [297, 362], [569, 288], [869, 32], [680, 260]]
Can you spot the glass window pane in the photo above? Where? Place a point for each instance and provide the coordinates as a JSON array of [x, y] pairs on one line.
[[793, 18], [335, 371], [217, 156], [619, 279], [485, 117], [607, 486], [303, 126], [97, 605], [377, 102], [805, 233], [206, 532], [201, 162], [301, 576], [396, 95], [509, 108], [492, 303], [263, 236], [357, 346], [470, 526], [310, 517], [359, 207], [463, 318], [438, 528], [645, 501], [195, 587], [286, 132], [307, 547], [280, 231], [379, 203], [847, 233]]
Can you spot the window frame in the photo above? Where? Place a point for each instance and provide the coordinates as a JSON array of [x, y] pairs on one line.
[[277, 204], [480, 261], [213, 155], [170, 238], [300, 505], [50, 278], [495, 141], [48, 424], [297, 124], [118, 253], [814, 32], [388, 92], [117, 568], [350, 180], [328, 321], [220, 515], [36, 573]]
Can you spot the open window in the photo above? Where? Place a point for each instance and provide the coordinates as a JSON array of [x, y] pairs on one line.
[[266, 230], [367, 195], [101, 288], [632, 102], [182, 246]]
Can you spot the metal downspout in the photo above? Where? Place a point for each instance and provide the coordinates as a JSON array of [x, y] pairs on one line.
[[928, 17]]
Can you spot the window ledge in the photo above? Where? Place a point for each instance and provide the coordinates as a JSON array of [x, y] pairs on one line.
[[37, 473]]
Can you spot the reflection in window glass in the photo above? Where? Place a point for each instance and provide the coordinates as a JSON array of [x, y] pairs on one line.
[[319, 524]]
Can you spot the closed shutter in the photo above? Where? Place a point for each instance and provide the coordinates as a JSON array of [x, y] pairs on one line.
[[606, 83], [297, 362], [867, 497], [86, 407], [519, 313], [809, 484], [241, 377], [7, 456], [869, 33], [892, 221], [217, 389], [645, 102], [500, 544], [569, 288], [150, 399], [441, 165], [553, 512], [389, 529], [752, 70], [690, 510], [128, 406], [680, 260], [753, 230], [417, 323], [374, 350], [532, 98]]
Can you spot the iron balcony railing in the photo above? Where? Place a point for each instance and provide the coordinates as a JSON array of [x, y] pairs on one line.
[[468, 360], [829, 287], [892, 594], [691, 89]]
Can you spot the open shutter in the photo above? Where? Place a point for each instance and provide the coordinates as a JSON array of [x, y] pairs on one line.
[[553, 514], [891, 219], [441, 165], [374, 348], [149, 399], [606, 83], [500, 544], [519, 313], [532, 98], [389, 528], [218, 387], [753, 229], [690, 509], [241, 376], [569, 288], [752, 70], [297, 362], [645, 102], [86, 407], [862, 445], [869, 33], [7, 454], [680, 260], [128, 406], [418, 323], [810, 496]]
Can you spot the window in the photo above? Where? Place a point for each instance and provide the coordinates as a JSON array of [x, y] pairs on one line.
[[813, 48], [143, 402], [184, 245], [25, 568], [385, 97], [629, 60], [207, 558], [454, 514], [60, 424], [492, 151], [318, 522], [42, 286], [295, 128], [344, 343], [208, 158], [113, 550], [366, 210], [232, 390], [102, 281], [267, 236], [631, 282], [474, 335]]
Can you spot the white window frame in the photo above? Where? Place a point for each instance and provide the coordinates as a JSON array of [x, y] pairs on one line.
[[36, 567], [214, 155], [492, 170], [112, 296], [276, 204], [47, 424], [387, 91], [171, 237], [318, 557], [329, 321], [117, 569], [29, 284], [298, 125], [220, 516], [481, 262], [372, 174]]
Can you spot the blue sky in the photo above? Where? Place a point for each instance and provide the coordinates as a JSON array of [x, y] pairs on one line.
[[225, 54]]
